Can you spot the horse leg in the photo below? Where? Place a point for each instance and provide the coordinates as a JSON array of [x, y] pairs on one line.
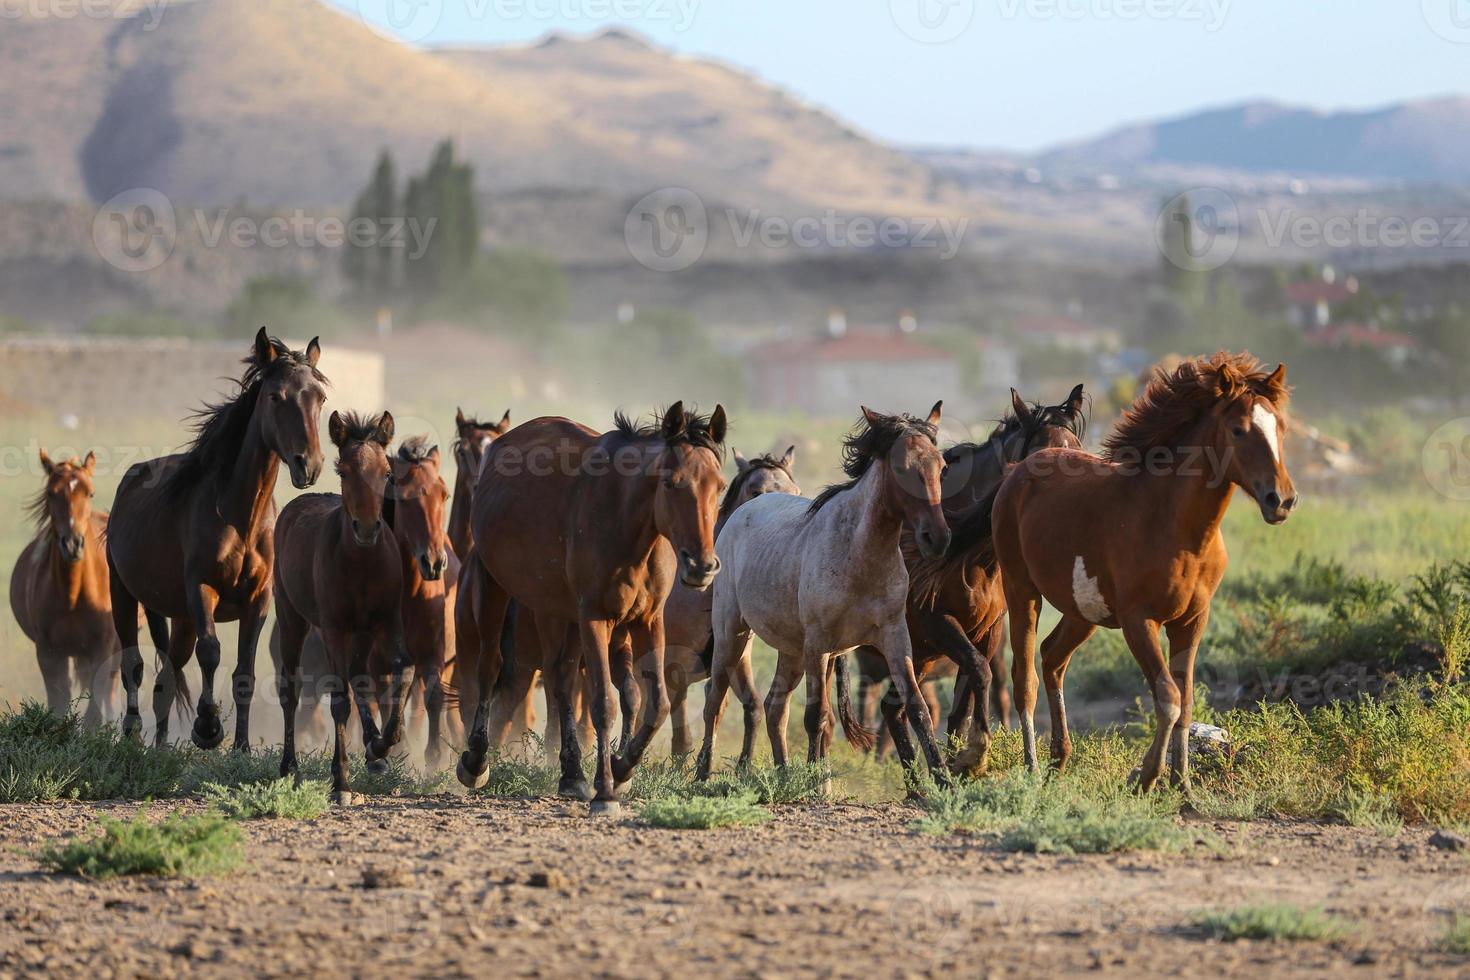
[[287, 640], [56, 674], [742, 681], [516, 689], [563, 672], [180, 645], [731, 642], [676, 679], [972, 692], [125, 622], [817, 718], [867, 704], [596, 639], [390, 640], [1000, 696], [778, 703], [99, 684], [252, 621], [432, 682], [1184, 637], [647, 637], [1025, 607], [363, 689], [201, 599], [1056, 653], [896, 723], [492, 616], [625, 679], [1143, 640], [341, 656], [898, 652]]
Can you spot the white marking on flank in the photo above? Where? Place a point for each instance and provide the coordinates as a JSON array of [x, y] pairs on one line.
[[1265, 420], [1086, 594]]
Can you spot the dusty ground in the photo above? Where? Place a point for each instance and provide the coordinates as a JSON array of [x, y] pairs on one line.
[[443, 886]]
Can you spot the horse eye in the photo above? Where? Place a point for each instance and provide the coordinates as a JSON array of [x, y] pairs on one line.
[[1239, 430]]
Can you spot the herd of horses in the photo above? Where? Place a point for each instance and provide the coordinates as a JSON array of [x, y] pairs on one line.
[[619, 568]]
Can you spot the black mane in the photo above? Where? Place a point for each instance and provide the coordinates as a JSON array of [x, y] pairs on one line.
[[867, 442], [219, 428], [696, 431], [732, 492], [415, 449]]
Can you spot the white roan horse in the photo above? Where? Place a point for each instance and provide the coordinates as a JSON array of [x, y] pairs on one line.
[[814, 578]]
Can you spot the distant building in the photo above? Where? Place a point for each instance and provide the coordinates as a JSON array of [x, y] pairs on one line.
[[1395, 347], [1066, 333], [887, 370], [1312, 305]]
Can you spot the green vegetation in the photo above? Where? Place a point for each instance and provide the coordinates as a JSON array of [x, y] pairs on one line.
[[1271, 921], [704, 812], [1456, 938], [289, 305], [177, 846], [281, 799], [441, 204]]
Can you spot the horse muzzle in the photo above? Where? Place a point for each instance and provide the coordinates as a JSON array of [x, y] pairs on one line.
[[1275, 509], [432, 569], [698, 574], [932, 543], [72, 547], [367, 536], [304, 472]]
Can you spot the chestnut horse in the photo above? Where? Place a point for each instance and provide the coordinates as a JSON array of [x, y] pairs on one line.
[[816, 578], [1131, 540], [338, 569], [593, 529], [414, 511], [190, 534], [955, 602], [58, 591]]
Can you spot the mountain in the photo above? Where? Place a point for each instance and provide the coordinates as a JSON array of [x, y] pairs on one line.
[[1420, 141], [288, 102]]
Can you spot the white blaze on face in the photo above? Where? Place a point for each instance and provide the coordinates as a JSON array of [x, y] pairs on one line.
[[72, 485], [1086, 594], [1265, 420]]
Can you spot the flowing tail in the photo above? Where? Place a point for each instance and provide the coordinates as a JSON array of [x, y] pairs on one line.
[[857, 736], [183, 698]]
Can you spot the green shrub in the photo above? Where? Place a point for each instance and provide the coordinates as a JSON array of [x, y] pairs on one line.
[[177, 846], [1270, 921], [280, 799], [1456, 938], [704, 812]]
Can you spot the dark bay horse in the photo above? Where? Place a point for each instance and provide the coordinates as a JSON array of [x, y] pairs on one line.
[[338, 569], [592, 530], [190, 534], [1131, 540], [817, 578], [956, 606], [58, 591], [471, 438]]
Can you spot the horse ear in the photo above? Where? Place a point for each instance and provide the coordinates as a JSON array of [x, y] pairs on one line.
[[1019, 406], [46, 463], [789, 458], [433, 456], [741, 463], [458, 417], [314, 351], [1073, 404], [1227, 381], [718, 425], [872, 417], [504, 425], [673, 422], [384, 433], [1278, 377], [265, 351], [337, 429], [90, 463], [935, 412]]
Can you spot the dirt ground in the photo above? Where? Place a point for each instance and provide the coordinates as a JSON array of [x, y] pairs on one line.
[[449, 886]]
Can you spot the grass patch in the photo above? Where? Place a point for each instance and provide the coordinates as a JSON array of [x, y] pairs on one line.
[[704, 812], [1456, 938], [770, 784], [1372, 809], [1271, 921], [177, 846], [281, 799], [1044, 814]]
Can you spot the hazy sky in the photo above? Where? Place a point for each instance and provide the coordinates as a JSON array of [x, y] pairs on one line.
[[1017, 74]]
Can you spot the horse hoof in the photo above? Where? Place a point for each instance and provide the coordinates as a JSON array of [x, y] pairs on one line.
[[208, 733], [377, 766], [576, 789], [344, 798], [470, 779], [605, 808]]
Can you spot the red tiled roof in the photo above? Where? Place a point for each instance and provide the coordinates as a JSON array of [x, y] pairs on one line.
[[1316, 291], [1360, 335], [852, 347]]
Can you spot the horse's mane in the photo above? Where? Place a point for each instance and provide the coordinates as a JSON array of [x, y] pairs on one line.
[[360, 426], [867, 442], [1172, 403], [38, 511], [219, 427], [696, 431], [732, 493], [415, 449]]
